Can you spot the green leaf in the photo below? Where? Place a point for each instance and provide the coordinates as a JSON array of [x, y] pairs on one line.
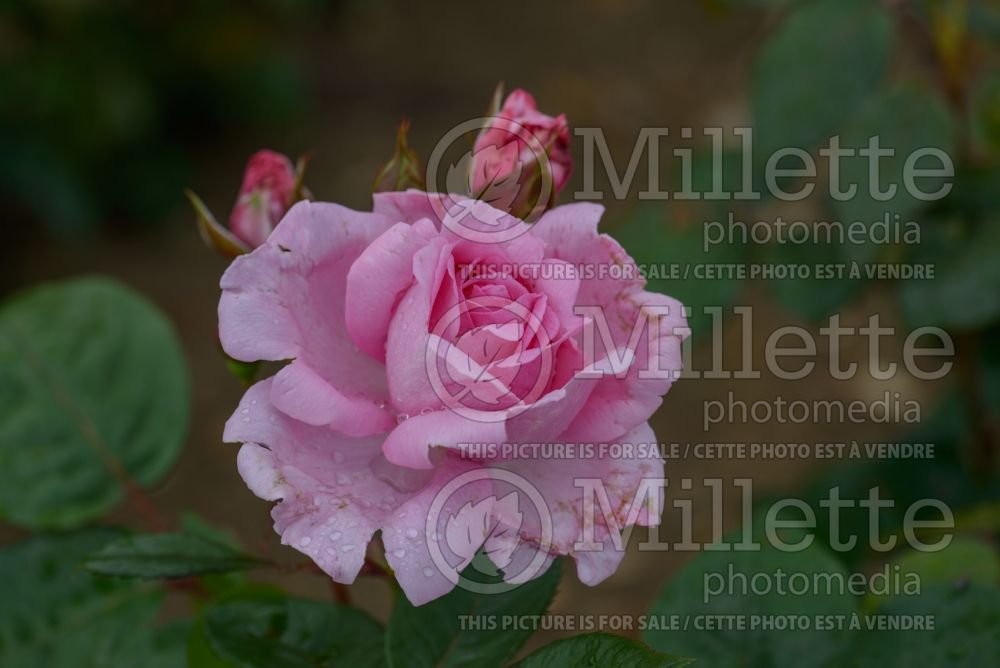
[[93, 388], [905, 118], [686, 594], [200, 651], [600, 649], [662, 245], [965, 291], [54, 614], [221, 584], [270, 632], [432, 635], [824, 61], [817, 297], [985, 111], [966, 624], [168, 555], [964, 560]]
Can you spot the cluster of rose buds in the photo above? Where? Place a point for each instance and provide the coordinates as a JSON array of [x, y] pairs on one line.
[[520, 162]]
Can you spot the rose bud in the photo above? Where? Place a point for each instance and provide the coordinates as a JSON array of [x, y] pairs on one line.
[[268, 190], [270, 186], [521, 158], [403, 171]]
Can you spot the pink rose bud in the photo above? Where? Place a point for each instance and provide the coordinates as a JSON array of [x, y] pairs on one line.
[[268, 190], [521, 159]]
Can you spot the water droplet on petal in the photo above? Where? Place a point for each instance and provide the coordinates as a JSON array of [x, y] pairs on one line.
[[411, 533], [402, 417], [399, 552], [335, 535], [428, 572], [305, 541], [347, 548]]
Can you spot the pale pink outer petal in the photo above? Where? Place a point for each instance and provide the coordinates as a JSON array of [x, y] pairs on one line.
[[616, 404], [619, 404], [285, 300], [570, 233], [377, 279], [259, 469], [406, 537], [556, 480], [561, 282], [332, 501], [301, 393]]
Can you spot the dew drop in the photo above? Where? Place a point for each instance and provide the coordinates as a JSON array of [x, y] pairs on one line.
[[305, 541], [335, 535], [399, 552], [347, 548], [402, 417], [428, 572], [411, 533]]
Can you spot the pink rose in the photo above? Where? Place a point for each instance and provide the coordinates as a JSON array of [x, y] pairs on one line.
[[521, 157], [266, 193], [406, 343]]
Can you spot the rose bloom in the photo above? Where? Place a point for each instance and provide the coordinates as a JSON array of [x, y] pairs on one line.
[[506, 153], [265, 195], [403, 346]]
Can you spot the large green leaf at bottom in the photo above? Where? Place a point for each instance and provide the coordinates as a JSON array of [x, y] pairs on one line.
[[92, 380], [965, 634], [600, 650], [54, 614], [277, 632], [433, 634], [685, 597]]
